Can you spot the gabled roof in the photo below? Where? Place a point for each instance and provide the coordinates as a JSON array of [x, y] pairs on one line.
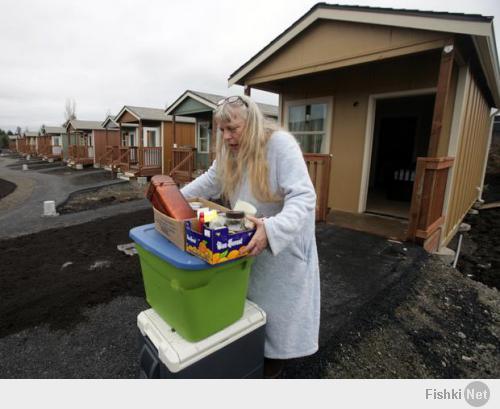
[[211, 100], [54, 129], [144, 113], [110, 118], [480, 28], [78, 124], [30, 134]]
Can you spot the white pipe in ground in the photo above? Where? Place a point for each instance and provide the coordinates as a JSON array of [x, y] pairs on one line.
[[25, 167], [458, 251], [49, 208]]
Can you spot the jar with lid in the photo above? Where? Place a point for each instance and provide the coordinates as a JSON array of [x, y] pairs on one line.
[[235, 220]]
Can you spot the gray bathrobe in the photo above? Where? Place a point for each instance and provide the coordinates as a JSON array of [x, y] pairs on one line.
[[284, 280]]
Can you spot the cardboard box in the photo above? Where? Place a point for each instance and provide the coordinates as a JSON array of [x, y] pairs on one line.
[[217, 245], [174, 230]]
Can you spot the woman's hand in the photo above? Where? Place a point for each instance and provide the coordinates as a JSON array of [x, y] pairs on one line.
[[259, 239]]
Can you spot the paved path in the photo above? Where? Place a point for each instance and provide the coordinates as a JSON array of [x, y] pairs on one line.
[[21, 211]]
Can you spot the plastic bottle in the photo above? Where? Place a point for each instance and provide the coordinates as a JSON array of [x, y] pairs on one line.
[[202, 220]]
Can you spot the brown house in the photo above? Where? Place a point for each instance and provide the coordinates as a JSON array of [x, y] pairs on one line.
[[50, 142], [81, 137], [31, 144], [144, 133], [401, 99], [107, 143], [193, 154]]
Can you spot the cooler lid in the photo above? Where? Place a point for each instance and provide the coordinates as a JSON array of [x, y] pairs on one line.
[[148, 238], [177, 353]]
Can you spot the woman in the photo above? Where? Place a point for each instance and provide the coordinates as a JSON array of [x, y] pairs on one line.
[[264, 166]]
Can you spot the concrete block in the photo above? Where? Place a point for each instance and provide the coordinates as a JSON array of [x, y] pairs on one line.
[[79, 166], [446, 254], [464, 227]]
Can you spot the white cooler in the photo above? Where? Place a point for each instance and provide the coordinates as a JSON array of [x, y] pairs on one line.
[[235, 352]]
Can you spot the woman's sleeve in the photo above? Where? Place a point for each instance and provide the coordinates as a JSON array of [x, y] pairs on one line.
[[205, 186], [295, 184]]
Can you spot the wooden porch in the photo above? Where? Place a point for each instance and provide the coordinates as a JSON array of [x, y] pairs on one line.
[[80, 155], [134, 161]]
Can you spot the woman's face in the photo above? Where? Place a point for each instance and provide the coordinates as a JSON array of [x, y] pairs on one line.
[[231, 131]]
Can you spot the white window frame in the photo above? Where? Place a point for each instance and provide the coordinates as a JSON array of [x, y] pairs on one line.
[[198, 133], [145, 130], [325, 147]]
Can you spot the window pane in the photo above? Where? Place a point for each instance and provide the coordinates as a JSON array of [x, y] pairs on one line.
[[317, 117], [310, 143], [203, 145], [303, 118], [296, 118]]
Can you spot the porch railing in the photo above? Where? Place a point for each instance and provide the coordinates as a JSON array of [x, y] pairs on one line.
[[183, 164], [110, 156], [319, 166], [150, 157], [426, 211], [78, 151]]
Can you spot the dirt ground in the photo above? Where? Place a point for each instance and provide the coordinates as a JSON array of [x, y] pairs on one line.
[[6, 188], [103, 196], [49, 278], [68, 302], [480, 254]]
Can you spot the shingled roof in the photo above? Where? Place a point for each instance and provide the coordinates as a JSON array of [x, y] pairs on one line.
[[211, 101]]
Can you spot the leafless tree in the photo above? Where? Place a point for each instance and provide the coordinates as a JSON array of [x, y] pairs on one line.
[[19, 131], [70, 109]]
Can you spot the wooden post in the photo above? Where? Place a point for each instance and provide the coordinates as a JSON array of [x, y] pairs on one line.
[[174, 139], [213, 142], [247, 90], [442, 93], [140, 151]]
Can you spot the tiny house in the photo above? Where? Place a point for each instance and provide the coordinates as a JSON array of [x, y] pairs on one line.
[[402, 99], [107, 143], [143, 132], [80, 137], [193, 155], [51, 141]]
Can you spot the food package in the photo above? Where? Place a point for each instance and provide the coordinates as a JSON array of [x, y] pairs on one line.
[[166, 197]]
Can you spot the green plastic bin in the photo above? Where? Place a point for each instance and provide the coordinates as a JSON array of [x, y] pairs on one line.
[[192, 296]]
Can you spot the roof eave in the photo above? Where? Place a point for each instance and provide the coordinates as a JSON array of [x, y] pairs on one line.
[[192, 95], [477, 29]]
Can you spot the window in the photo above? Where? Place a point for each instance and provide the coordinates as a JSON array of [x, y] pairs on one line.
[[308, 122], [203, 143], [151, 137]]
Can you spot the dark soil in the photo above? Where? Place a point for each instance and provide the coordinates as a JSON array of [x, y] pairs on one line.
[[6, 188], [480, 254], [434, 323], [104, 196], [48, 277]]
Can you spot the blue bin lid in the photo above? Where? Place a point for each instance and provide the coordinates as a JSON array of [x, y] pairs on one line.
[[148, 238]]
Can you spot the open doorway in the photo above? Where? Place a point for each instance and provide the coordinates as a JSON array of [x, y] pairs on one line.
[[401, 134]]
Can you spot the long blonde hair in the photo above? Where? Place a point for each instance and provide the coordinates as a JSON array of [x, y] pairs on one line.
[[251, 156]]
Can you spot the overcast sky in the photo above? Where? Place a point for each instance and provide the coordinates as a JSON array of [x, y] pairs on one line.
[[106, 54]]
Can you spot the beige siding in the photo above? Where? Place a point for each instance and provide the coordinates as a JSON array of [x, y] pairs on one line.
[[334, 44], [351, 89], [471, 155]]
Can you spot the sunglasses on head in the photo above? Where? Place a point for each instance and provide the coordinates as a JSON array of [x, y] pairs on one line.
[[236, 100]]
